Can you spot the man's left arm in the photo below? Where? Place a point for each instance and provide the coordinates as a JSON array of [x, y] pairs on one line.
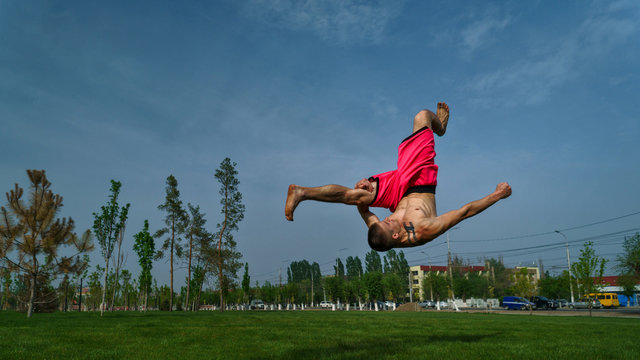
[[368, 217]]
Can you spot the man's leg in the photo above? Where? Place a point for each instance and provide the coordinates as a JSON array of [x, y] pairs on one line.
[[436, 122], [326, 193]]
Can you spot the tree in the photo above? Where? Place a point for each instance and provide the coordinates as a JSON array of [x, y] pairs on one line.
[[233, 212], [6, 281], [107, 227], [628, 284], [32, 237], [246, 282], [196, 283], [126, 287], [335, 287], [144, 247], [393, 286], [339, 269], [395, 263], [555, 287], [194, 231], [373, 285], [354, 267], [435, 285], [95, 288], [523, 284], [175, 222], [372, 262], [629, 261], [119, 260], [588, 270]]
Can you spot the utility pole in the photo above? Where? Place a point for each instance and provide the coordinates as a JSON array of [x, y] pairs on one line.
[[569, 265]]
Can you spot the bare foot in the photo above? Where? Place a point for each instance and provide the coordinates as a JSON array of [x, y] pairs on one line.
[[443, 115], [503, 190], [293, 199]]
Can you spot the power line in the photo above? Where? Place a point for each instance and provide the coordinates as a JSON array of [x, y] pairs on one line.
[[552, 232]]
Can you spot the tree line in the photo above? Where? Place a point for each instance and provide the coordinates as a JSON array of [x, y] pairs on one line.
[[38, 249]]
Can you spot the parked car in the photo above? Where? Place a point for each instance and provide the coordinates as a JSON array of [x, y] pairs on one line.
[[389, 304], [562, 303], [584, 304], [427, 304], [542, 303], [516, 303], [256, 304], [326, 304], [444, 305]]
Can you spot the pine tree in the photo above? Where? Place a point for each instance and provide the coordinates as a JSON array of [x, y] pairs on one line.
[[175, 222], [32, 237], [233, 212]]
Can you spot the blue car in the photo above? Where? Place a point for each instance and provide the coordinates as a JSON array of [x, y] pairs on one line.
[[515, 303]]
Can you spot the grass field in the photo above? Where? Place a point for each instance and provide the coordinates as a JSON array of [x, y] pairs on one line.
[[315, 334]]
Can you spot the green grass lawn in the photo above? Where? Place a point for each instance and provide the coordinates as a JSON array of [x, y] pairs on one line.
[[315, 334]]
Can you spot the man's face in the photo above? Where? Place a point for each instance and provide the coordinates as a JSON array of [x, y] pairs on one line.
[[393, 226]]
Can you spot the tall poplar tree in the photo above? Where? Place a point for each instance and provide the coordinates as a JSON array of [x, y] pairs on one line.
[[175, 222], [233, 212], [372, 262], [246, 283], [107, 227], [354, 267], [145, 248], [32, 236]]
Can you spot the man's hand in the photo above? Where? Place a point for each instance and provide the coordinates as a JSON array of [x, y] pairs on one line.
[[503, 190], [365, 185]]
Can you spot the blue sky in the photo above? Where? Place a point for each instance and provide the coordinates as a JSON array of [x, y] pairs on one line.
[[543, 95]]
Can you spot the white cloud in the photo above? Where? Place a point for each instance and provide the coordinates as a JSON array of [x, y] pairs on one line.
[[334, 21], [480, 31], [533, 78]]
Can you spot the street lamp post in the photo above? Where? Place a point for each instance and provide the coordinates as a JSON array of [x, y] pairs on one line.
[[569, 265]]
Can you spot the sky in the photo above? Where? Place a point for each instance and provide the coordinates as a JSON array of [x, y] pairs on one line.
[[543, 94]]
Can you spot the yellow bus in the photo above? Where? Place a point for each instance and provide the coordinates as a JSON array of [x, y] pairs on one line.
[[608, 300]]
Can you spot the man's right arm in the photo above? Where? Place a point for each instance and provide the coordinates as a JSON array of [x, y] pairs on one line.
[[433, 228]]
